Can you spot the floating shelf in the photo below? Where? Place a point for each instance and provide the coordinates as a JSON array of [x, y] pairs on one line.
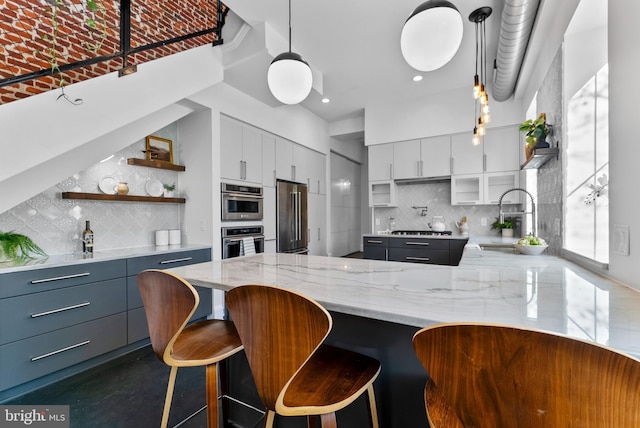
[[121, 198], [540, 157], [152, 163]]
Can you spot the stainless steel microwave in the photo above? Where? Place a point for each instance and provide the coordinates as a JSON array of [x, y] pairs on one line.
[[241, 202]]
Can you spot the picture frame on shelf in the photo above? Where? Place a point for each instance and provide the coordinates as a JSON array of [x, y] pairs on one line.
[[159, 149]]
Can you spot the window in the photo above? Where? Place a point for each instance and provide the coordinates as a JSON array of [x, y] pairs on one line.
[[587, 169]]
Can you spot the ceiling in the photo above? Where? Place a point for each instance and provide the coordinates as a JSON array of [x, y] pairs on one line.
[[355, 45]]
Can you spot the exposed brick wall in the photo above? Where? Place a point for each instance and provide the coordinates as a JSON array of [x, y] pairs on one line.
[[26, 24]]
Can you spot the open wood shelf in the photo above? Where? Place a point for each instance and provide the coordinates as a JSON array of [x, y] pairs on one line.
[[540, 157], [121, 198], [152, 163]]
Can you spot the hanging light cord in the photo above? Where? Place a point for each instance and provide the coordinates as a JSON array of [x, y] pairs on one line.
[[289, 26]]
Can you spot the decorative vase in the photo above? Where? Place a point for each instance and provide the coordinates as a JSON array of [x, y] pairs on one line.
[[541, 143], [122, 188], [168, 193], [507, 233]]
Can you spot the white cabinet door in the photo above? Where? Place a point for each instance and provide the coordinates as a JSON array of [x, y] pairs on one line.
[[317, 233], [284, 159], [317, 172], [467, 158], [269, 212], [435, 156], [252, 154], [496, 183], [381, 162], [502, 149], [406, 160], [301, 164], [467, 189], [268, 160], [231, 165]]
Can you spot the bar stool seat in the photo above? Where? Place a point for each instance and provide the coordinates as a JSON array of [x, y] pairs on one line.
[[296, 374], [169, 302]]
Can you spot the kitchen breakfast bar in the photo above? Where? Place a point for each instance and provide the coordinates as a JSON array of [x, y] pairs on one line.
[[377, 307]]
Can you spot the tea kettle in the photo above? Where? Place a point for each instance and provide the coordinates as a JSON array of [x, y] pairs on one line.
[[437, 223]]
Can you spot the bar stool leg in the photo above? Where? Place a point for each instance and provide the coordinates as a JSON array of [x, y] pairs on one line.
[[169, 396], [371, 404], [328, 420], [212, 395]]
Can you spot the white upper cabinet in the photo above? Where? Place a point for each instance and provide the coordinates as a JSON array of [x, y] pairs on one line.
[[428, 157], [406, 160], [268, 160], [502, 149], [381, 162], [241, 149], [435, 155], [499, 151], [467, 158], [284, 159]]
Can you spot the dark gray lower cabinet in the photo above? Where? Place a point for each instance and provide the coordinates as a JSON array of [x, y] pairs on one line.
[[59, 319], [375, 248], [440, 251]]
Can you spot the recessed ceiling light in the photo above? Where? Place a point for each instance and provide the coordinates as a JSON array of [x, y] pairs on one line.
[[326, 100], [417, 78]]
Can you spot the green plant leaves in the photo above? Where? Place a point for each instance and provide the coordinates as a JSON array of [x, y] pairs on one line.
[[16, 246]]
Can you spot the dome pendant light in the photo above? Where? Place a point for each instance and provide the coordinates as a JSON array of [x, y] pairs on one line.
[[431, 36], [289, 76]]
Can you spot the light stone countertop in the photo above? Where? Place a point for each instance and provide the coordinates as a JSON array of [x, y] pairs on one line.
[[543, 292], [97, 256]]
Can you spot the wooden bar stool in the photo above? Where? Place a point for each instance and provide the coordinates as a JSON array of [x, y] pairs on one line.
[[295, 373], [169, 302], [502, 377]]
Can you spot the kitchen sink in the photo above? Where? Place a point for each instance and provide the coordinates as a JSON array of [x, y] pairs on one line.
[[505, 248]]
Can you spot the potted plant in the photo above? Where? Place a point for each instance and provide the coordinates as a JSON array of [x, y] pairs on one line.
[[16, 247], [506, 226], [536, 132], [168, 190]]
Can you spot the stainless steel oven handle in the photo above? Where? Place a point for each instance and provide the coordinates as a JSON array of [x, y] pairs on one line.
[[242, 196]]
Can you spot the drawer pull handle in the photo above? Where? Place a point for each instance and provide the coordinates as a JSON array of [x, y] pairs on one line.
[[68, 348], [55, 311], [417, 243], [422, 259], [166, 262], [374, 242], [60, 278]]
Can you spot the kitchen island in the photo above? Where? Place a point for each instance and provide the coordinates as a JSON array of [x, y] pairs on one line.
[[377, 306]]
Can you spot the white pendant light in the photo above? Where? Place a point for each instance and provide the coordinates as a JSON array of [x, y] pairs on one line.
[[432, 35], [289, 76]]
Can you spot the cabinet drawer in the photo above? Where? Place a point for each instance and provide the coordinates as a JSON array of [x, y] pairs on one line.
[[375, 253], [438, 257], [135, 265], [38, 313], [374, 242], [419, 243], [34, 281], [37, 356]]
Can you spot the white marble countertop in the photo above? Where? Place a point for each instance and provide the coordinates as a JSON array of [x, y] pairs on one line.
[[543, 292], [98, 256], [389, 235]]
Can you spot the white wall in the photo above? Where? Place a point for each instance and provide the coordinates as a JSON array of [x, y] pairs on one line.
[[441, 114], [42, 137], [624, 150]]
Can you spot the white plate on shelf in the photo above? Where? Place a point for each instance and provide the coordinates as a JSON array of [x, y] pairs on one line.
[[108, 185], [154, 188]]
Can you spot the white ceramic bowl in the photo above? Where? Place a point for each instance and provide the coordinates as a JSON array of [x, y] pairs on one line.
[[532, 250]]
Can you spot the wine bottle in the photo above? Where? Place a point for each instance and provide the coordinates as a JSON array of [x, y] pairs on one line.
[[87, 239]]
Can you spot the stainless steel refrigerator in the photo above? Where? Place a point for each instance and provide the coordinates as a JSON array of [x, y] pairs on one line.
[[291, 209]]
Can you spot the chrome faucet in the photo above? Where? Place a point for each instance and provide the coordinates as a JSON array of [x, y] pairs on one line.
[[424, 209], [532, 212]]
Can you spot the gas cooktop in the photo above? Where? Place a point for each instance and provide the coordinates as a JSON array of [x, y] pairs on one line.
[[422, 232]]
